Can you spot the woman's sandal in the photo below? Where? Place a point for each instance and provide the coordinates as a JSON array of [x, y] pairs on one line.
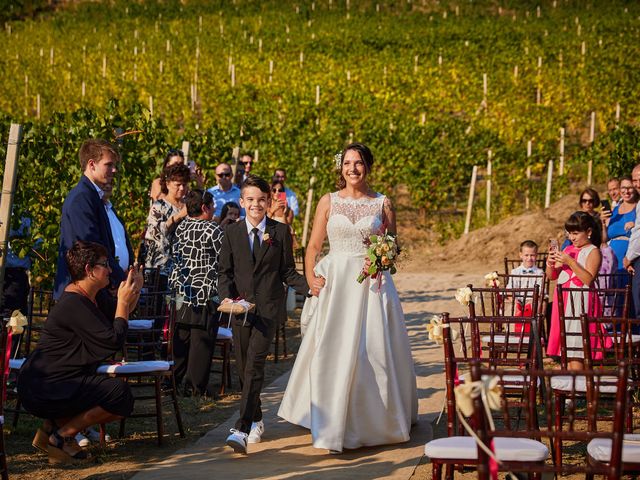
[[57, 453], [41, 438]]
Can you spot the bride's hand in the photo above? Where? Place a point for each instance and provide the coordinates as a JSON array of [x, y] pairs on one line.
[[317, 285]]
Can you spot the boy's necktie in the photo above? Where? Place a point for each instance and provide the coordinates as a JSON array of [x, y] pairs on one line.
[[256, 244]]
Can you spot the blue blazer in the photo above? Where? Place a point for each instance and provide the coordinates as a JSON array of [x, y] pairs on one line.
[[85, 218]]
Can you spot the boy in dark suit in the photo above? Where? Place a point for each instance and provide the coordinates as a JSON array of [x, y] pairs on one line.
[[256, 259]]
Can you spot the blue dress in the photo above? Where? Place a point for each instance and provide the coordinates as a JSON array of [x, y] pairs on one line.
[[619, 237]]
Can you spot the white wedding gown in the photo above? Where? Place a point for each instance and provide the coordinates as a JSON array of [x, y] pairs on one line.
[[353, 383]]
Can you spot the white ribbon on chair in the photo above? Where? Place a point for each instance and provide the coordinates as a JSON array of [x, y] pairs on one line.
[[17, 322], [490, 391], [436, 327]]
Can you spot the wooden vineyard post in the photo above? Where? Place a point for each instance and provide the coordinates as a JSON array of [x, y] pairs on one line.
[[472, 191], [235, 159], [488, 207], [561, 172], [6, 201], [617, 115], [185, 151], [547, 194], [526, 192], [592, 137], [307, 211]]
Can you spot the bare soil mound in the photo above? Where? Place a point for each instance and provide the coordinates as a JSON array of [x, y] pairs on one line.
[[489, 245]]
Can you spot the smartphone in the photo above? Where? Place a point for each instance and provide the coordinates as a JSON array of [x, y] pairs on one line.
[[553, 245], [282, 196], [605, 205]]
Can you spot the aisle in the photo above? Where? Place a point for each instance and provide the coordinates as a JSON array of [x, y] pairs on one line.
[[286, 451]]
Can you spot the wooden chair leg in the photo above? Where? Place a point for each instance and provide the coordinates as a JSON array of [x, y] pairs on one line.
[[176, 407], [159, 422], [448, 471], [437, 470], [559, 411], [103, 434]]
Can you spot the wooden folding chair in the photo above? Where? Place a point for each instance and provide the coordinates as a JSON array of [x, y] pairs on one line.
[[5, 346], [157, 369], [501, 301], [523, 450], [39, 303], [458, 450]]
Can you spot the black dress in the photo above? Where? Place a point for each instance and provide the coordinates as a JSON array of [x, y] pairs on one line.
[[59, 378]]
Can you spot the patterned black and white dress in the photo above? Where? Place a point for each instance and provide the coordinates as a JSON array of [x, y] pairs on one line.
[[159, 238], [195, 261]]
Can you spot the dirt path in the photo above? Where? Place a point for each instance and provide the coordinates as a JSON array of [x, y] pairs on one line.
[[286, 451]]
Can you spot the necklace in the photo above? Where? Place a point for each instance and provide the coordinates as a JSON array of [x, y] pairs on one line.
[[84, 292]]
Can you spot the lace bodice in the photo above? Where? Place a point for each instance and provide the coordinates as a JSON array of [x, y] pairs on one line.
[[350, 220]]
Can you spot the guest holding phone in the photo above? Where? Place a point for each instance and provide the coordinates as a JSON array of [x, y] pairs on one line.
[[279, 209], [576, 266], [617, 224]]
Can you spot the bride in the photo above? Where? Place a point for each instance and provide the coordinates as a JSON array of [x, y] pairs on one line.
[[353, 382]]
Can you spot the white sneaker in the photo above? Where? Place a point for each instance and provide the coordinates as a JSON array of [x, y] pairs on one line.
[[83, 441], [257, 429], [94, 435], [238, 441]]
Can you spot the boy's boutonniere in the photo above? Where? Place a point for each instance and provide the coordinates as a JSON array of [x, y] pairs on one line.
[[267, 238]]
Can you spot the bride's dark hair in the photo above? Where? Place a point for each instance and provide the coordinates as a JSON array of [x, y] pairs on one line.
[[365, 155]]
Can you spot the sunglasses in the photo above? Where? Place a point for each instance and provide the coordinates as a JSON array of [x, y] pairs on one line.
[[224, 174], [247, 163], [586, 200], [277, 190], [104, 264]]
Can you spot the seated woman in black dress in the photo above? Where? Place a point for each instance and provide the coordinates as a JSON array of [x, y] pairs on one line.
[[58, 382]]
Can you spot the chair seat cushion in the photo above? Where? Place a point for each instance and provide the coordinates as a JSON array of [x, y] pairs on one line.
[[140, 324], [16, 363], [136, 367], [514, 339], [564, 383], [600, 449], [507, 449], [224, 333]]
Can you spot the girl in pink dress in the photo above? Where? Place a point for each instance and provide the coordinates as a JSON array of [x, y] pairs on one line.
[[575, 267]]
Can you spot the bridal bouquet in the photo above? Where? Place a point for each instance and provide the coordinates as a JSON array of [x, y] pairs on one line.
[[382, 253]]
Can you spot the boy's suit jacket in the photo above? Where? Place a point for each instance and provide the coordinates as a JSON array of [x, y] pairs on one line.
[[260, 283]]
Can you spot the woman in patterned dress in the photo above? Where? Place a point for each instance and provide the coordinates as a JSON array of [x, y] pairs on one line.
[[194, 277], [164, 216]]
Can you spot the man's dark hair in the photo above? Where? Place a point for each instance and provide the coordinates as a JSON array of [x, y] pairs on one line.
[[255, 181], [82, 254], [195, 199], [529, 244], [94, 149]]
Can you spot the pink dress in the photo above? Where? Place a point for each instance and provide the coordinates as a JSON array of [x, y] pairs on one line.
[[568, 279]]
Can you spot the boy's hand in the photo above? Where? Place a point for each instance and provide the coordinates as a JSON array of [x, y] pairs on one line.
[[226, 300]]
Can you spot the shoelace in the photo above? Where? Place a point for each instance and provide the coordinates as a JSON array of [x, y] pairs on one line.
[[238, 432]]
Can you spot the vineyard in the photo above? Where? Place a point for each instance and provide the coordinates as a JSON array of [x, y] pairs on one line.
[[432, 86]]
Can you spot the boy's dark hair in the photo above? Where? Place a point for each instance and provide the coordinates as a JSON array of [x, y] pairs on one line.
[[581, 222], [255, 181], [529, 244], [195, 199]]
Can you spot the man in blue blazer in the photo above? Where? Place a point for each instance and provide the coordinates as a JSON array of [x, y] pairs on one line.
[[84, 216]]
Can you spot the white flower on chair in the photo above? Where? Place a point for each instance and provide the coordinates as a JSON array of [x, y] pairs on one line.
[[492, 279], [463, 296]]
